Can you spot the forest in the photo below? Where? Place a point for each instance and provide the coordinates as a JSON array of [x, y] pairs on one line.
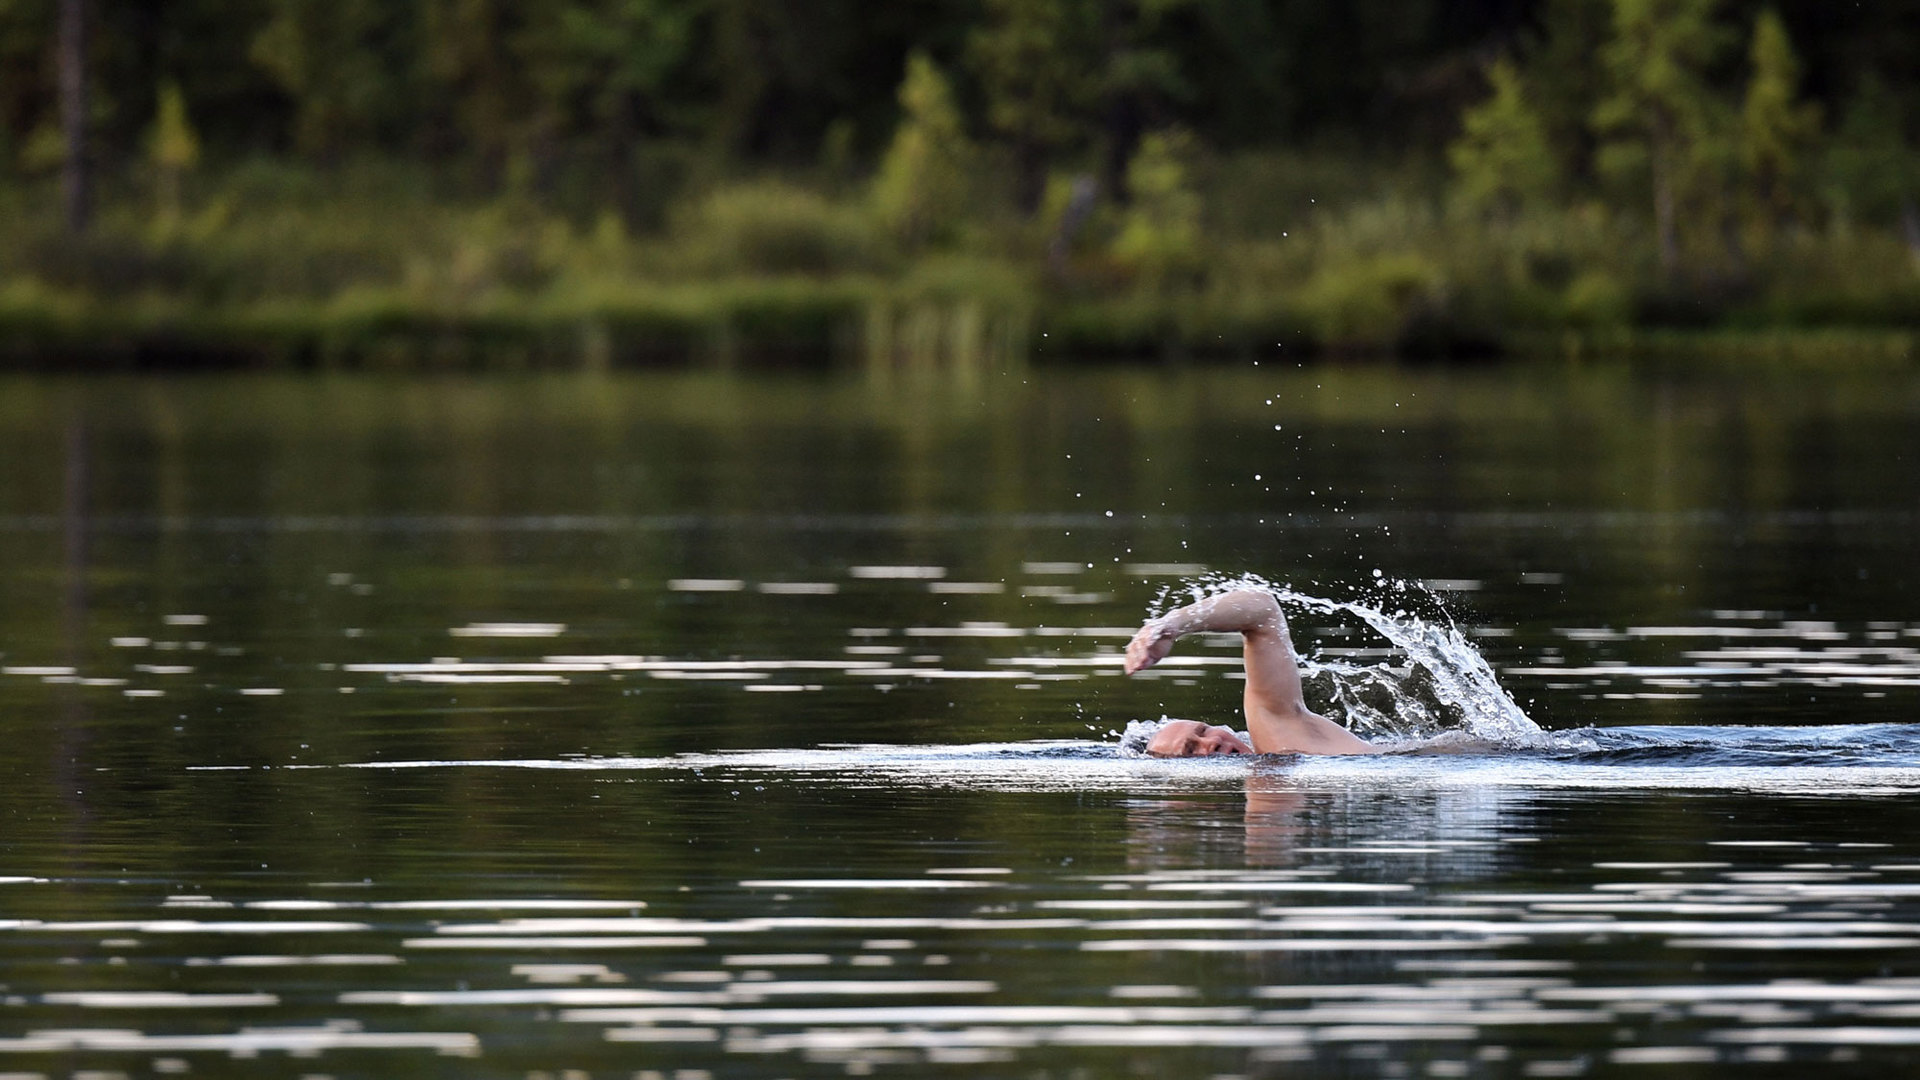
[[951, 182]]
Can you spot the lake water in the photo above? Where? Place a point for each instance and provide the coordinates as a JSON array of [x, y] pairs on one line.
[[710, 725]]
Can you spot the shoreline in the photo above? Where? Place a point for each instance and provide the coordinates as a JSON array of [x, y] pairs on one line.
[[826, 324]]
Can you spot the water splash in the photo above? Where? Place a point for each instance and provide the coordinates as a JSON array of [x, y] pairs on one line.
[[1435, 681]]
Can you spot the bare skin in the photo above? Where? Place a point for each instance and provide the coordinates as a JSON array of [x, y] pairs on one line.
[[1277, 714]]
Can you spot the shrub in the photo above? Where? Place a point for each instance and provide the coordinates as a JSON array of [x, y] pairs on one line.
[[1371, 301], [1160, 231], [773, 228], [922, 187], [1596, 300]]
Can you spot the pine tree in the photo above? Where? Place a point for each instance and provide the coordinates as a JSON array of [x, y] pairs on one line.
[[346, 64], [604, 66], [468, 49], [1035, 60], [922, 183], [1777, 133], [76, 165], [1160, 232], [1873, 169], [1561, 70], [1659, 110], [174, 148], [1501, 159], [1138, 74]]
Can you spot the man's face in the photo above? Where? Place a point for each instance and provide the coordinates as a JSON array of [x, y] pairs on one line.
[[1191, 738]]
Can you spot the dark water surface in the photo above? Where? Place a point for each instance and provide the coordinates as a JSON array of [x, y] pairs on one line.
[[707, 725]]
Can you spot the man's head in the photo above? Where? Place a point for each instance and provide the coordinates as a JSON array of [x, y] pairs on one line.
[[1191, 738]]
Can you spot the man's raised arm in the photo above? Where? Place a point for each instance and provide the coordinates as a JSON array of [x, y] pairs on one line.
[[1277, 715]]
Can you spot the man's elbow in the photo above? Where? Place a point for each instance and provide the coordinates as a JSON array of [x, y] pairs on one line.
[[1262, 611]]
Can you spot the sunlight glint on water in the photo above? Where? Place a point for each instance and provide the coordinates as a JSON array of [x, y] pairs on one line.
[[660, 727]]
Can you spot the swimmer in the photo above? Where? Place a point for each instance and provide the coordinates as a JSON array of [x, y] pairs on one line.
[[1277, 716]]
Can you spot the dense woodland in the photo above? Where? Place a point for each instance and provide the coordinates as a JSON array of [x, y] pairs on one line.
[[611, 179]]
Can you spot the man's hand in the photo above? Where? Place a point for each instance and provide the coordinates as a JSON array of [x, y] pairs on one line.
[[1150, 646]]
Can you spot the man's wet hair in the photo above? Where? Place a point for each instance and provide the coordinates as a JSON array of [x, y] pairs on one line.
[[1139, 735]]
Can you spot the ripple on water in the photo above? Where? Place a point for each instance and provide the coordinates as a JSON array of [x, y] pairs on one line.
[[1357, 944], [1458, 971]]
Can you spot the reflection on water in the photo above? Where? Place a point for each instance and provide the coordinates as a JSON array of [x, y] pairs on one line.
[[1365, 938], [695, 726]]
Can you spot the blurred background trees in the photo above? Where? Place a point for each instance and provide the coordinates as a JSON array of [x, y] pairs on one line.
[[1535, 154], [578, 85]]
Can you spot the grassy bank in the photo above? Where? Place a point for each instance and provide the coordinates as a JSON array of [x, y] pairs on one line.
[[269, 267]]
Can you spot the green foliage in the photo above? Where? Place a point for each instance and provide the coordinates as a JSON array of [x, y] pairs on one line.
[[24, 70], [174, 149], [1138, 64], [1777, 131], [1873, 170], [953, 278], [603, 66], [772, 228], [1033, 61], [611, 56], [1501, 160], [480, 164], [43, 150], [1160, 229], [1657, 62], [121, 265], [344, 64], [173, 146], [1562, 68], [1061, 75], [579, 87], [470, 60], [921, 190], [1029, 58], [1659, 113], [1370, 302], [1596, 300], [1271, 192]]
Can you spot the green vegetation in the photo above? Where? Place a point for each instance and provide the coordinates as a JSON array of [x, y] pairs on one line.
[[466, 182]]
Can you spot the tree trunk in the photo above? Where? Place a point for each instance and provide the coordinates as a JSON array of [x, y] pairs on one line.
[[1030, 175], [1663, 210], [622, 123], [1122, 105], [76, 170], [1123, 138]]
